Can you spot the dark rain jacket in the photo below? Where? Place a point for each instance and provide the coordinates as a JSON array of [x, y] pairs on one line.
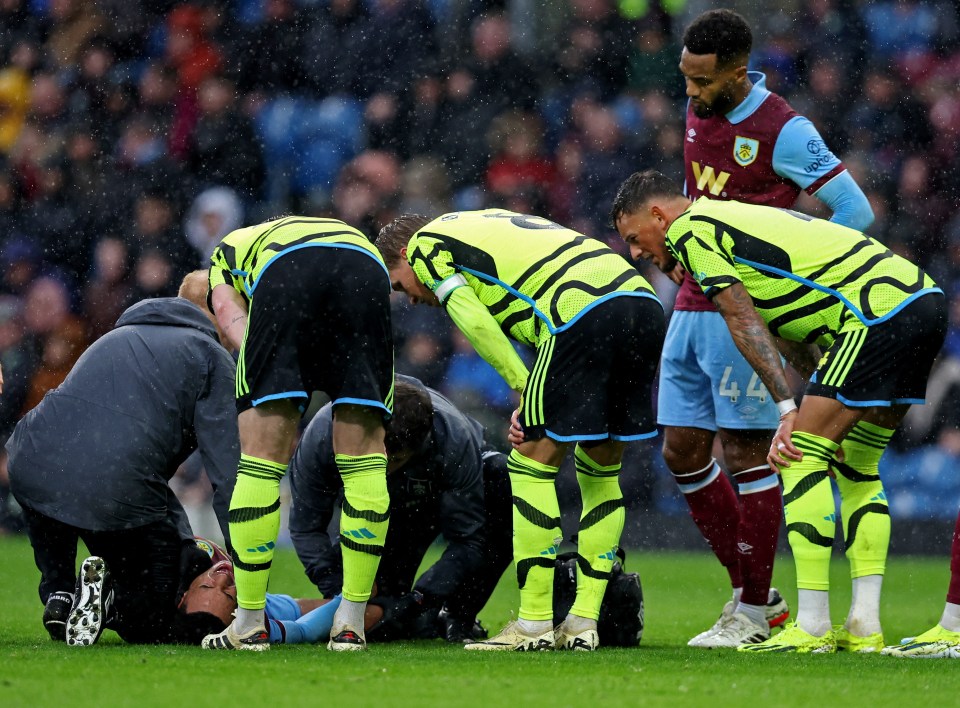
[[98, 451], [440, 490]]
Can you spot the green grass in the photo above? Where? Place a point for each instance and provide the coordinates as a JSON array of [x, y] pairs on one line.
[[684, 592]]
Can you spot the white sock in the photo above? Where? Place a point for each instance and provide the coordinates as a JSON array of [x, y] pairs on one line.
[[950, 620], [754, 612], [813, 611], [737, 592], [864, 617], [535, 626], [577, 623], [248, 620], [349, 616]]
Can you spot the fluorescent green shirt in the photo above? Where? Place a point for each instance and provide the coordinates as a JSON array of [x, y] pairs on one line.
[[808, 278]]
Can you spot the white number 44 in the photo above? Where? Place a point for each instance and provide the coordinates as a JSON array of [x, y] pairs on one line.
[[731, 389]]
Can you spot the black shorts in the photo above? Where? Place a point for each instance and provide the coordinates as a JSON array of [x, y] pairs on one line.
[[319, 320], [887, 363], [594, 380]]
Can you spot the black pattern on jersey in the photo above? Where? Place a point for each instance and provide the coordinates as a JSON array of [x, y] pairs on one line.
[[749, 248], [427, 260], [509, 298], [586, 288], [887, 280], [464, 255], [799, 313]]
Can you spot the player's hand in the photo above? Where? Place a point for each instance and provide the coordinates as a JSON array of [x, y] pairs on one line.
[[515, 434], [782, 449], [676, 275]]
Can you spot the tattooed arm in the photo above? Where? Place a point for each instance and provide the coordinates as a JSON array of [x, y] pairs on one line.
[[758, 347]]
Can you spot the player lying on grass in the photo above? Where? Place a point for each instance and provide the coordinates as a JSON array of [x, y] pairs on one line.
[[92, 461], [443, 479], [597, 327], [881, 322]]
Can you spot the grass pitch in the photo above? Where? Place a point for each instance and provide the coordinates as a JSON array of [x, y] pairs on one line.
[[683, 592]]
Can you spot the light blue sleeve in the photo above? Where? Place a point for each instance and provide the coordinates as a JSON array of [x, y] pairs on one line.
[[800, 154], [802, 157], [310, 628], [282, 607], [849, 204]]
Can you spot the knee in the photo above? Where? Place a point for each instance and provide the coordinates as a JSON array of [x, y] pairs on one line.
[[683, 459]]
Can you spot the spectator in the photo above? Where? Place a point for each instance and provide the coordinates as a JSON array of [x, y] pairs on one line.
[[214, 213]]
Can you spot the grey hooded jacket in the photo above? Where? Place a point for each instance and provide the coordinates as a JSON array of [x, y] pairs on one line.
[[98, 451]]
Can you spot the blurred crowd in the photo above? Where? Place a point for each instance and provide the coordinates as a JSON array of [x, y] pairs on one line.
[[134, 134]]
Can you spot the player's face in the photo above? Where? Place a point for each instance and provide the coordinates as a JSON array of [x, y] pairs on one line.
[[711, 89], [404, 280], [644, 232], [214, 591]]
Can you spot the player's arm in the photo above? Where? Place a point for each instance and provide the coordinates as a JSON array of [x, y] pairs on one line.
[[462, 518], [218, 439], [753, 339], [230, 309], [432, 264], [801, 156], [713, 267], [801, 356], [477, 324]]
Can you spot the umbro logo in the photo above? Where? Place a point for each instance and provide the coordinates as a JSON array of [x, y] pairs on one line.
[[744, 548]]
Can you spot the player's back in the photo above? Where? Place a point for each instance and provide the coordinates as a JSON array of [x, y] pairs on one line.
[[808, 277], [528, 271], [243, 255]]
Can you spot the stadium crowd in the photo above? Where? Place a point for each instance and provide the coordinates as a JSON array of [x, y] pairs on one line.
[[134, 134]]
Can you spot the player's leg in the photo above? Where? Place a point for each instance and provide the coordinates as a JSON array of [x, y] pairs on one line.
[[356, 370], [270, 389], [55, 554], [810, 515], [532, 469], [267, 433], [601, 524], [866, 524], [761, 513], [625, 372], [685, 409]]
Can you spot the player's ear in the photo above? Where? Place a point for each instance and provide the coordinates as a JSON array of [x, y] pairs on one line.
[[403, 252]]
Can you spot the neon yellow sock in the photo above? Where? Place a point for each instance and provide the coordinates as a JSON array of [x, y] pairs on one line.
[[601, 524], [536, 533], [809, 510], [863, 503], [363, 521], [254, 525]]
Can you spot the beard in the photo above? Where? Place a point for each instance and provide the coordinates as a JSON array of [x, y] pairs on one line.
[[722, 104]]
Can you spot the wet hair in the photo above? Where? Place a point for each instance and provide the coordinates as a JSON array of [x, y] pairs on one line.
[[412, 419], [192, 627], [637, 189], [396, 235], [721, 32]]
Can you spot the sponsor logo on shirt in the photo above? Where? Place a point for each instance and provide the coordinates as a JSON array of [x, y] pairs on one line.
[[691, 134], [708, 179], [745, 150], [821, 155]]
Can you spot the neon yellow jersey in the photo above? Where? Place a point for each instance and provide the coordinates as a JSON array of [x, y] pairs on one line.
[[808, 278], [535, 277], [243, 255]]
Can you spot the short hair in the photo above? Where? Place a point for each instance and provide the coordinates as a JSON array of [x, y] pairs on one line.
[[192, 627], [194, 288], [721, 32], [396, 235], [412, 419], [637, 189]]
